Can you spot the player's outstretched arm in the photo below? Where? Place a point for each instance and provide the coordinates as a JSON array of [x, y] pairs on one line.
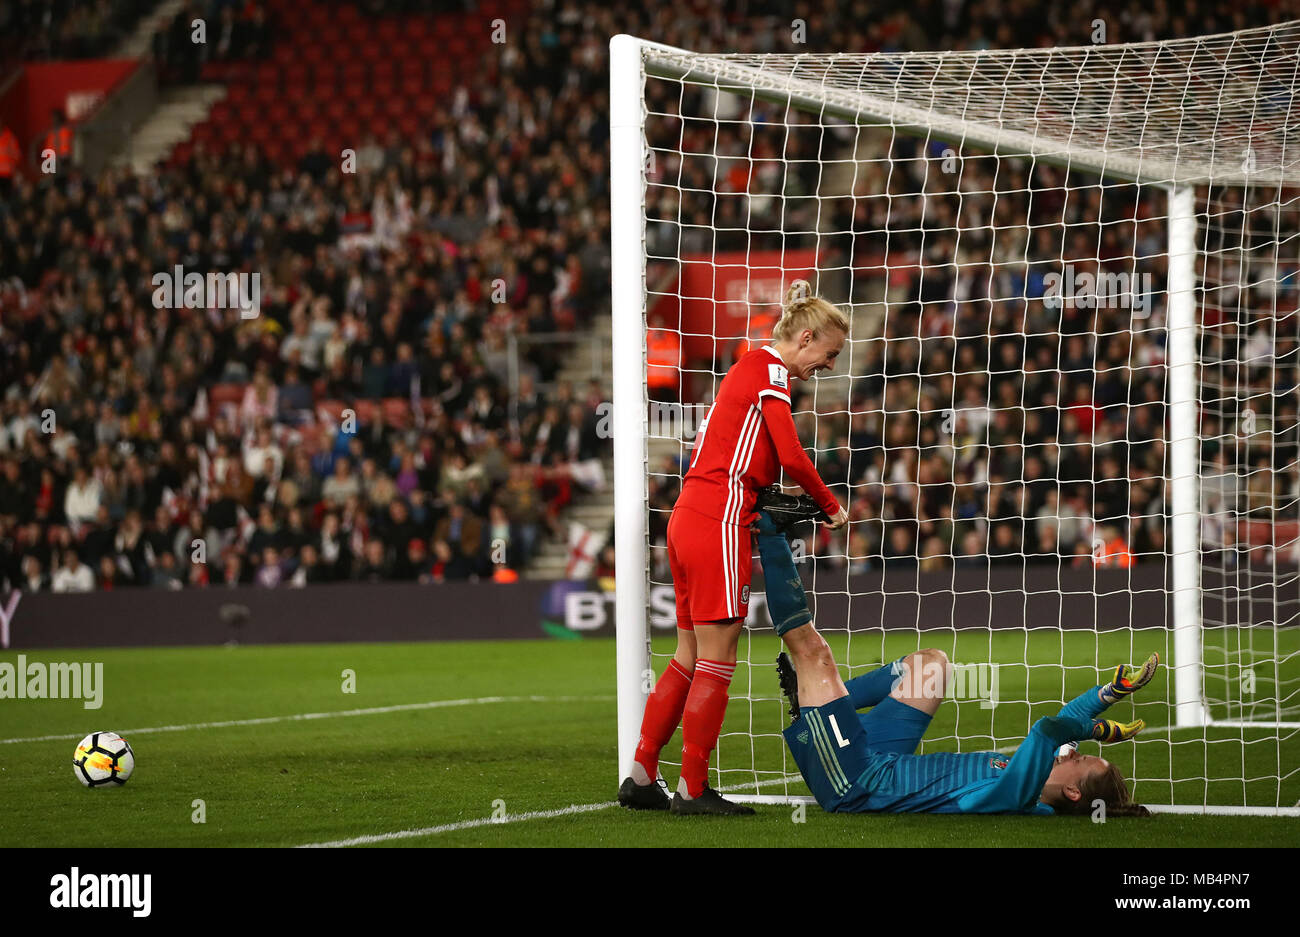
[[780, 426]]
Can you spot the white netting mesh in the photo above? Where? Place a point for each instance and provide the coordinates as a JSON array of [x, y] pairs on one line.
[[998, 420]]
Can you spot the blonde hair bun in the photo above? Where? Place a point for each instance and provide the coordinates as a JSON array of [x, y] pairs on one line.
[[803, 309]]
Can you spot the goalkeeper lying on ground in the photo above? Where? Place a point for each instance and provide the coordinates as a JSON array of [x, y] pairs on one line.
[[866, 763]]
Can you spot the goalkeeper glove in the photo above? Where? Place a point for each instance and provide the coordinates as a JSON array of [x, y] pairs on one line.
[[1108, 730], [1127, 683]]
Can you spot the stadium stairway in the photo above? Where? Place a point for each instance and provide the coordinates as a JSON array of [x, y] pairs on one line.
[[594, 510], [180, 109], [140, 43]]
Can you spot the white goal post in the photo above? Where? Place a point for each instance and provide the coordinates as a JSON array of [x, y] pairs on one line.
[[1203, 125]]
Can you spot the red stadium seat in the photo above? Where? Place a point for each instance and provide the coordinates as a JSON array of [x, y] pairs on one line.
[[274, 151], [207, 130], [431, 49], [332, 410], [331, 33], [221, 111], [347, 129], [336, 108], [410, 126], [297, 92], [365, 411], [355, 79], [396, 106], [222, 394], [397, 411], [268, 73]]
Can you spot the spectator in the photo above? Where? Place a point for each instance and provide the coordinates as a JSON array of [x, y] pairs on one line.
[[74, 576], [82, 502]]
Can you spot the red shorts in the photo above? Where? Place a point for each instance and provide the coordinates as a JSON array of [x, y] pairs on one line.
[[710, 562]]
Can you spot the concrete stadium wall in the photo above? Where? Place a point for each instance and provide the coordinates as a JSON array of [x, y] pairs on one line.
[[966, 598]]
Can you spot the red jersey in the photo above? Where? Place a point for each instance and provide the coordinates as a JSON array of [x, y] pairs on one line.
[[745, 440]]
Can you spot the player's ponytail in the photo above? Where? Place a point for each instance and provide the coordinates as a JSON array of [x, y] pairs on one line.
[[804, 310]]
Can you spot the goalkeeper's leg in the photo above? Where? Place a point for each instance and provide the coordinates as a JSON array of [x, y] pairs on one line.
[[919, 679], [818, 678]]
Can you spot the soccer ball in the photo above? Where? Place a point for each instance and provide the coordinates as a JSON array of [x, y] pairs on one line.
[[103, 759]]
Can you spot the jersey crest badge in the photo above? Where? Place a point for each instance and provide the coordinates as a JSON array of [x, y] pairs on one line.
[[998, 763]]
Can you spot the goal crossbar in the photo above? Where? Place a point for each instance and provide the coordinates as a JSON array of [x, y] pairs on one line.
[[1147, 148]]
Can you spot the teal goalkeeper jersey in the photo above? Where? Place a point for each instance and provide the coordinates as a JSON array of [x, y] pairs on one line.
[[973, 782]]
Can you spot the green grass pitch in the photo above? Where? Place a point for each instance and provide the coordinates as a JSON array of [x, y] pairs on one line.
[[550, 745]]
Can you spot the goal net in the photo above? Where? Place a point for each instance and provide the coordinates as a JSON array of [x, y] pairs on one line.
[[1065, 420]]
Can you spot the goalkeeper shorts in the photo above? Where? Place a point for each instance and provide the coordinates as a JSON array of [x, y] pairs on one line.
[[894, 726], [829, 744], [711, 563]]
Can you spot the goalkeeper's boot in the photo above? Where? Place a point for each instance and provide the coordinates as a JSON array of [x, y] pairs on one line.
[[709, 803], [789, 683], [652, 796], [1108, 730], [786, 512], [1128, 682]]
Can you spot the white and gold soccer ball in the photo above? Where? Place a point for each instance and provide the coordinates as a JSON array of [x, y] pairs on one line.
[[103, 759]]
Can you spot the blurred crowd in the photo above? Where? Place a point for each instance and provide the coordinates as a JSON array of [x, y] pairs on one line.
[[385, 416], [392, 411], [37, 30]]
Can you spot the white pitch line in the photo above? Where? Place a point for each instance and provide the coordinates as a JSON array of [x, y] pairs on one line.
[[462, 825], [507, 818], [301, 717]]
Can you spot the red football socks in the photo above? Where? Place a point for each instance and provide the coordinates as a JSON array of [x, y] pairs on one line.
[[663, 713], [706, 705]]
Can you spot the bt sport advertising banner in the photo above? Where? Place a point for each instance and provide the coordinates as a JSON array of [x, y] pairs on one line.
[[1003, 597]]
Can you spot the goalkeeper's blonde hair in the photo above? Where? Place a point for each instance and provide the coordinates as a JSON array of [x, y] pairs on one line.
[[804, 310]]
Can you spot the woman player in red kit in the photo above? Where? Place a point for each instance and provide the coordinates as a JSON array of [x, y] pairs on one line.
[[742, 445]]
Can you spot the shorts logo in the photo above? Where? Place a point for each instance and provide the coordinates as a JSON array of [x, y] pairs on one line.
[[777, 375], [803, 737], [744, 595], [998, 763]]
